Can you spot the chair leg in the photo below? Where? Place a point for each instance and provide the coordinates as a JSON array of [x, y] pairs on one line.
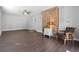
[[64, 42]]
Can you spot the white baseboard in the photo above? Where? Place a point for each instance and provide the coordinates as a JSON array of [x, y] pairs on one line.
[[12, 29], [19, 29]]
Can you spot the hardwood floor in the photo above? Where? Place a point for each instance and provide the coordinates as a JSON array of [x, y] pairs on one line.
[[28, 41]]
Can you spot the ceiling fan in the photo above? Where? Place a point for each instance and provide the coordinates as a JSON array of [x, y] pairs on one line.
[[27, 12]]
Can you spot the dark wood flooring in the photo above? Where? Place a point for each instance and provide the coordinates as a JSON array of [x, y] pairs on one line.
[[28, 41]]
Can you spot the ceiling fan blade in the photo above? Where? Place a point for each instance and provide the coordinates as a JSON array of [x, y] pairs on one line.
[[26, 12]]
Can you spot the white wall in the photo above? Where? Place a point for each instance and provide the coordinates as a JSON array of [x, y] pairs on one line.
[[76, 20], [66, 17], [69, 16], [15, 22]]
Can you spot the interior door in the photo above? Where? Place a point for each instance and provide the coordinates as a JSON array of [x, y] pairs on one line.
[[37, 23]]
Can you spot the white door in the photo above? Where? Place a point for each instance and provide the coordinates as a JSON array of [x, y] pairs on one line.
[[34, 23], [37, 23]]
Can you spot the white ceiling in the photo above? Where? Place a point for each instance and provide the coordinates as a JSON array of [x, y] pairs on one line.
[[19, 9]]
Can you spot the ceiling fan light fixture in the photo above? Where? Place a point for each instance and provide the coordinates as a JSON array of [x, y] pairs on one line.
[[26, 12]]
